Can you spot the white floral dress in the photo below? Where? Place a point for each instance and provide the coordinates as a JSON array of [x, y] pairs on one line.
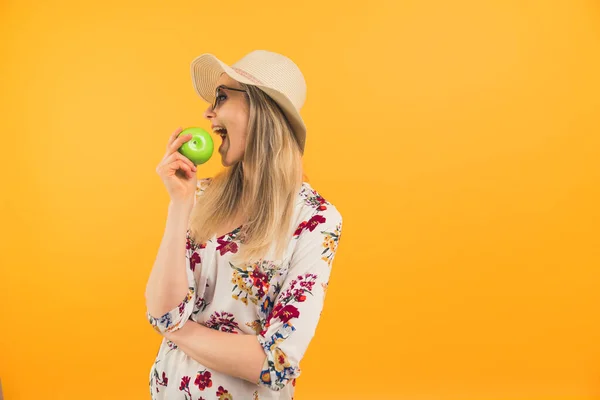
[[279, 301]]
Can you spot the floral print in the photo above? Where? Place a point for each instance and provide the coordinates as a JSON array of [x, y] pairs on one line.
[[222, 321], [278, 371], [277, 301], [310, 225], [192, 250], [223, 394], [160, 380], [171, 345], [315, 200], [200, 305], [284, 311], [227, 243], [184, 386], [252, 281], [203, 380], [330, 243], [172, 320]]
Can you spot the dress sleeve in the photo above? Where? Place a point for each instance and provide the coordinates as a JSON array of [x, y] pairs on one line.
[[292, 323], [175, 318]]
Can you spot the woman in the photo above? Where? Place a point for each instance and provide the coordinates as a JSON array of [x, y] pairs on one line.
[[239, 281]]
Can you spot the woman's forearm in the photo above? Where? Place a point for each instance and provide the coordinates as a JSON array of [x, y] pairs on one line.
[[167, 285], [237, 355]]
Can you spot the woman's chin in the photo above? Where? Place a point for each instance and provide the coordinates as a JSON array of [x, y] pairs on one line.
[[223, 154], [225, 161], [227, 158]]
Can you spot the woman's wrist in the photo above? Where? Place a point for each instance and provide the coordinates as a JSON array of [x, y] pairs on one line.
[[181, 206]]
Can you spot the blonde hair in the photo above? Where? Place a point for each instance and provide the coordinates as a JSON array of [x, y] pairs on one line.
[[263, 186]]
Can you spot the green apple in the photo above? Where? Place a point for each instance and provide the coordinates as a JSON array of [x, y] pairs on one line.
[[199, 148]]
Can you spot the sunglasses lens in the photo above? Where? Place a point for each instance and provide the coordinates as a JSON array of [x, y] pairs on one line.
[[217, 93]]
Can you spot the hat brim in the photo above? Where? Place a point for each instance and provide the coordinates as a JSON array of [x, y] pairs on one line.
[[206, 70]]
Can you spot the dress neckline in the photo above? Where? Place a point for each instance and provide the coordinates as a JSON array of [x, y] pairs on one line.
[[237, 230], [230, 233]]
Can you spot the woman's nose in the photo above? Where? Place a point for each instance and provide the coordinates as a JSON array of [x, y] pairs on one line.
[[209, 113]]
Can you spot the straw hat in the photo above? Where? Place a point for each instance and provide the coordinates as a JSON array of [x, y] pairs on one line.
[[273, 73]]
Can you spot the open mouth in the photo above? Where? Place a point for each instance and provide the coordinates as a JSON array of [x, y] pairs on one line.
[[219, 130]]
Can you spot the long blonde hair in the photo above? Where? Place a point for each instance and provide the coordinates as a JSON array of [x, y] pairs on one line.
[[263, 186]]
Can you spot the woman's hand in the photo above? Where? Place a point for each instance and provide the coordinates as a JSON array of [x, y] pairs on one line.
[[177, 172]]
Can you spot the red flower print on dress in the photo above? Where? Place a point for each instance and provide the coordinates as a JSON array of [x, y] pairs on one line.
[[193, 251], [296, 292], [184, 386], [315, 200], [223, 394], [310, 225], [252, 281], [194, 259], [322, 203], [226, 246], [300, 228], [203, 380], [286, 313], [160, 381], [306, 283], [190, 244], [222, 321]]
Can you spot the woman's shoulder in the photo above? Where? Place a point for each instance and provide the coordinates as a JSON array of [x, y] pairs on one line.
[[313, 205], [310, 202]]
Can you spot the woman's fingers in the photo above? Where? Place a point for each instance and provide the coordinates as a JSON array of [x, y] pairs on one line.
[[171, 168], [173, 157], [173, 160], [178, 156], [176, 144], [173, 137], [183, 166]]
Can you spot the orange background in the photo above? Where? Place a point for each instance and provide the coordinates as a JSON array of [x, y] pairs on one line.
[[459, 139]]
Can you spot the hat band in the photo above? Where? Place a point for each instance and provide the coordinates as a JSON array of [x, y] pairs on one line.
[[247, 75]]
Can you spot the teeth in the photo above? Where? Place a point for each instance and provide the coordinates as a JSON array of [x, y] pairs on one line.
[[220, 130]]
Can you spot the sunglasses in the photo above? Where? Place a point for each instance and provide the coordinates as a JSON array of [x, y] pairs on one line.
[[216, 102]]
